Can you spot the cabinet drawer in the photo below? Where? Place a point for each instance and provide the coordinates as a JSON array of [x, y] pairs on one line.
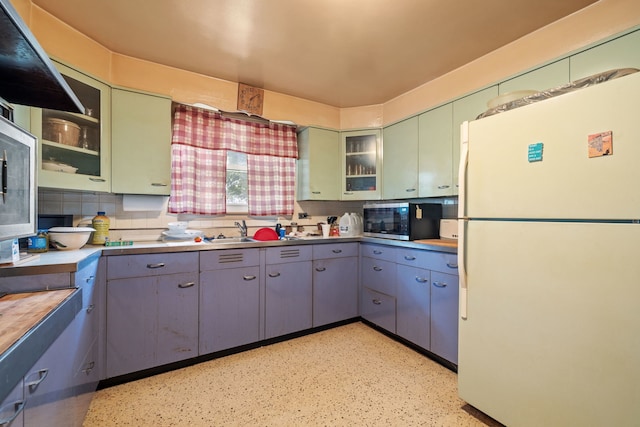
[[289, 254], [151, 265], [379, 275], [430, 260], [379, 309], [229, 258], [335, 250], [387, 253]]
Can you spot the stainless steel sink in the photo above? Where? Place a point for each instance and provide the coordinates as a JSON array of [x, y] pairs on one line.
[[228, 240]]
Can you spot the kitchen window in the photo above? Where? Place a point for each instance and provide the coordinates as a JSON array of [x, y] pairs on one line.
[[220, 164], [236, 183]]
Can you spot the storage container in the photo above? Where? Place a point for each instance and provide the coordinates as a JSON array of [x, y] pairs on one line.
[[61, 131]]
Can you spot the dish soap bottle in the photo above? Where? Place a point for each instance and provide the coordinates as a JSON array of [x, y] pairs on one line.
[[100, 223]]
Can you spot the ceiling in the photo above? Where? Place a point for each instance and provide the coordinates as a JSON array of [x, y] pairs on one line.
[[343, 53]]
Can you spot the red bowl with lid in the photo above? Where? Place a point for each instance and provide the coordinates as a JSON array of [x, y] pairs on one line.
[[265, 234]]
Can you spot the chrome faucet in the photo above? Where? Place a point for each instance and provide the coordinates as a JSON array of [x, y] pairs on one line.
[[242, 227]]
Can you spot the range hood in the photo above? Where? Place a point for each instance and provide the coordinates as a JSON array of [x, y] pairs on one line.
[[27, 75]]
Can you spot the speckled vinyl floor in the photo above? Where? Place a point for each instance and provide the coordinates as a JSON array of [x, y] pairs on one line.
[[347, 376]]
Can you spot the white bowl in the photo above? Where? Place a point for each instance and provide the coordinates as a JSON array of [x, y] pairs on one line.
[[69, 238], [178, 226]]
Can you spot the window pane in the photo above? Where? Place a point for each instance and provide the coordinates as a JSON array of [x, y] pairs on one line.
[[237, 188]]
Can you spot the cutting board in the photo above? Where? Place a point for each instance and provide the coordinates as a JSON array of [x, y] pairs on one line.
[[439, 242], [21, 312]]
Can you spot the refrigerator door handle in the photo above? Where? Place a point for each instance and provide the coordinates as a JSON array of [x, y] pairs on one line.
[[462, 214]]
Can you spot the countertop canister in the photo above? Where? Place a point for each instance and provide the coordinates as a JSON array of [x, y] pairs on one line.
[[101, 224]]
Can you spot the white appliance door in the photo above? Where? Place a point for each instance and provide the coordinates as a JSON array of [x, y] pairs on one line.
[[508, 177], [552, 334]]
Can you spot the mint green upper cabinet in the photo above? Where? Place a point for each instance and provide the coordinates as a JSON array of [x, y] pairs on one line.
[[623, 52], [467, 108], [74, 149], [435, 161], [141, 143], [543, 78], [361, 165], [318, 164], [400, 163]]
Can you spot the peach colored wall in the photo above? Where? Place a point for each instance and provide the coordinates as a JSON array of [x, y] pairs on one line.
[[369, 116], [596, 22], [601, 20]]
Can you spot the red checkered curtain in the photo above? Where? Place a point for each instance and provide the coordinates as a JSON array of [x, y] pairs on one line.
[[199, 144]]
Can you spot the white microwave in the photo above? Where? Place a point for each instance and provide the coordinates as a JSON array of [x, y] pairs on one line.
[[18, 202]]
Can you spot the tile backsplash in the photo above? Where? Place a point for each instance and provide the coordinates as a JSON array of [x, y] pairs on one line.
[[148, 225]]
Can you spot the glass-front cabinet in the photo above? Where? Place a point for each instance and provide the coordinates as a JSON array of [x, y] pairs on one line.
[[361, 165], [74, 148]]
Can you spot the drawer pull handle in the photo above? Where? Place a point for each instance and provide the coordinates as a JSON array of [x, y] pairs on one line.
[[336, 251], [42, 374], [442, 187], [158, 184], [376, 301], [377, 252], [440, 284], [410, 190], [320, 269], [421, 279], [315, 192], [274, 274], [19, 407], [347, 193], [90, 278], [97, 179], [452, 265], [376, 268], [409, 257], [249, 278], [186, 285], [90, 308], [157, 265]]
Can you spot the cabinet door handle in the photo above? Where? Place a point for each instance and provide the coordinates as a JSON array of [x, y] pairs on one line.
[[97, 179], [452, 265], [248, 277], [158, 184], [336, 251], [18, 407], [442, 187], [320, 268], [376, 301], [156, 265], [409, 257], [274, 274], [377, 252], [376, 268], [90, 308], [90, 278], [421, 279], [315, 192], [440, 284], [42, 374], [410, 190], [186, 285]]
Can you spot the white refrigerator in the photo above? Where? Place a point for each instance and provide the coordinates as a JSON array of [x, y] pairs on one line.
[[549, 258]]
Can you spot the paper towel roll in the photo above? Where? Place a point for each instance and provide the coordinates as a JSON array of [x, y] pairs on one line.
[[138, 203]]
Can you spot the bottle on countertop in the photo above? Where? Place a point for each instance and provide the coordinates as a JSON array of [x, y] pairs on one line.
[[101, 224], [346, 225]]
